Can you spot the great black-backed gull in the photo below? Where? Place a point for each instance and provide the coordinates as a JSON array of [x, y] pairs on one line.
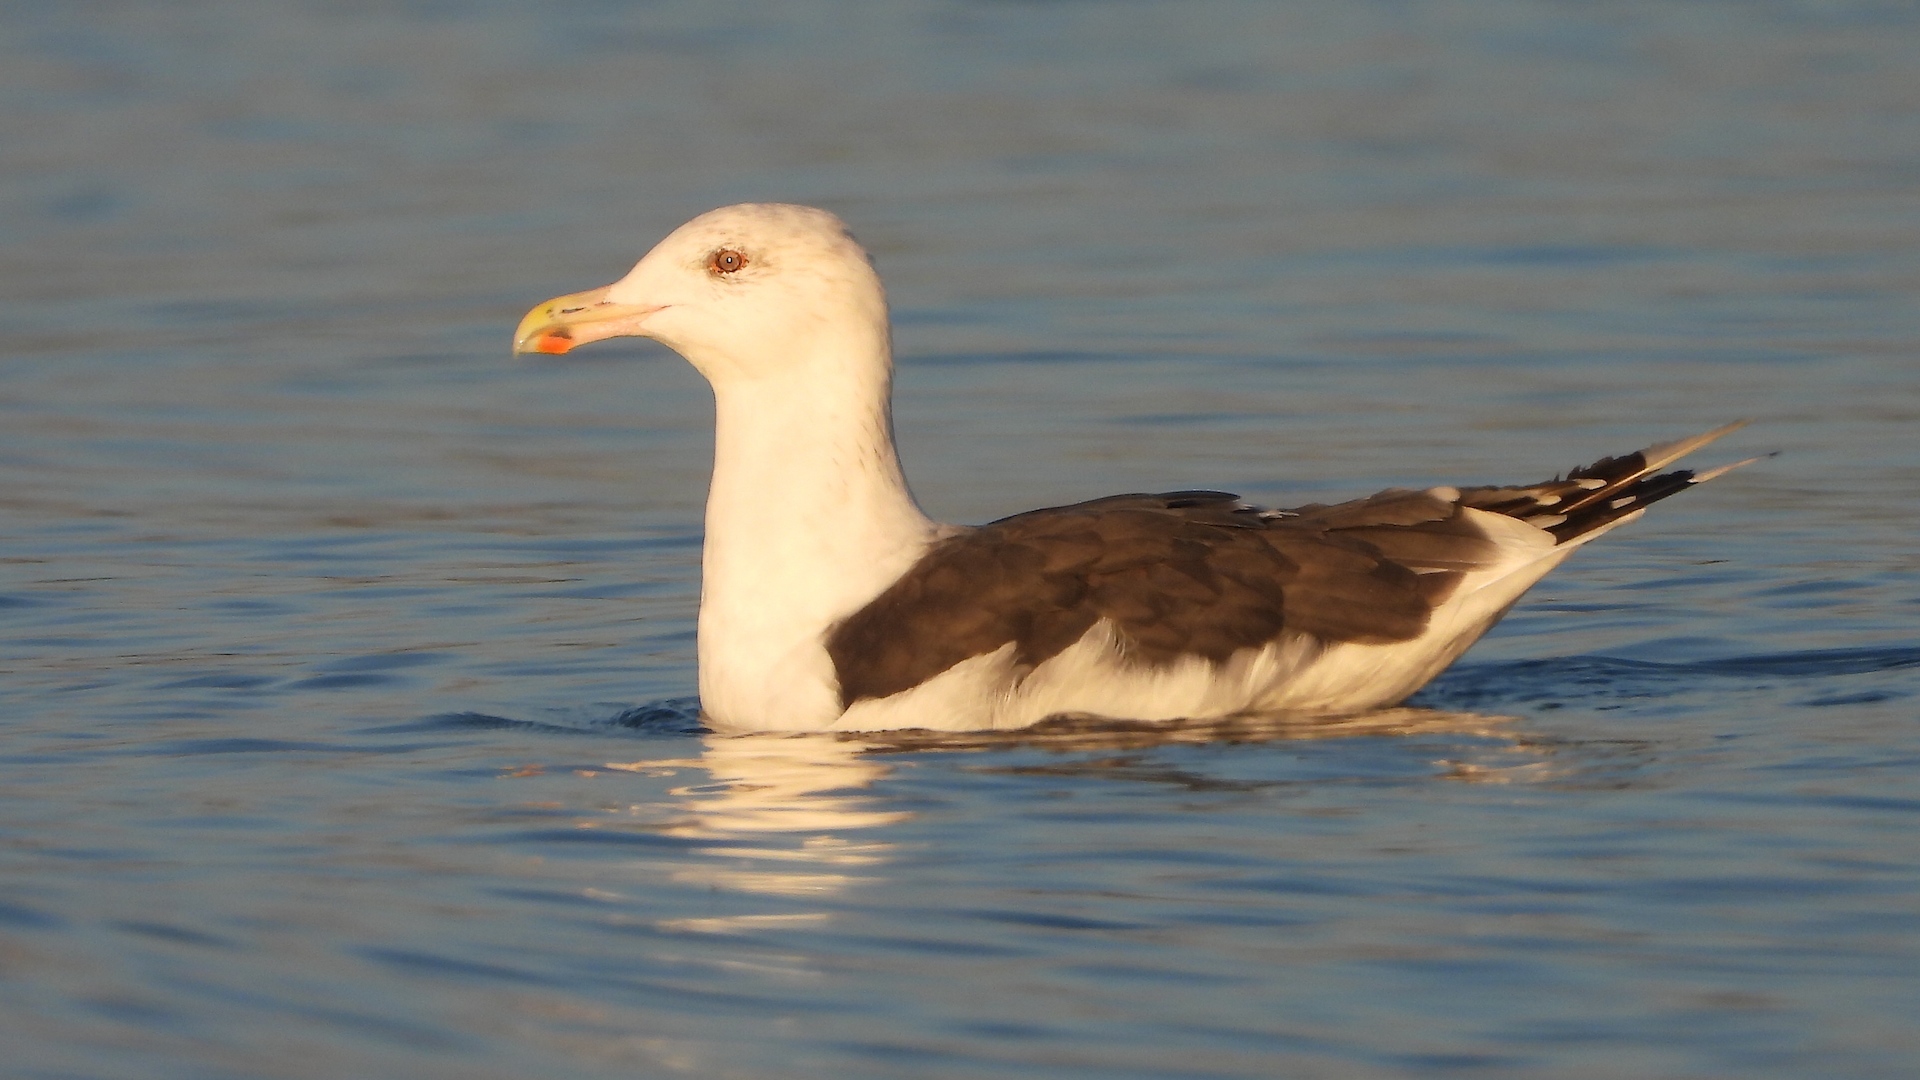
[[831, 602]]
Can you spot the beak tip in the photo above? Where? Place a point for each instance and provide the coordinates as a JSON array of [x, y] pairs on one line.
[[560, 324], [549, 342], [540, 333]]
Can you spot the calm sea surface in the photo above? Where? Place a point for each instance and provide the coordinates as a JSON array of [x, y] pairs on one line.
[[346, 665]]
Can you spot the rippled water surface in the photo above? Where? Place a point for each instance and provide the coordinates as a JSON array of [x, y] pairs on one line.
[[345, 665]]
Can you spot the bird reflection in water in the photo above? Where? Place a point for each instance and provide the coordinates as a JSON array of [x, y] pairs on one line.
[[784, 816], [815, 787], [1072, 733], [795, 817], [1509, 756]]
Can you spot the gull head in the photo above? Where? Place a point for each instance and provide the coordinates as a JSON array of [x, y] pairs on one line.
[[743, 292]]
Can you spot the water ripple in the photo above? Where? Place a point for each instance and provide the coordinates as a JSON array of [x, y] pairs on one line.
[[1577, 678]]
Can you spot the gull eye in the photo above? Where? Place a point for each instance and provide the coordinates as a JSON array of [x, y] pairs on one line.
[[726, 261]]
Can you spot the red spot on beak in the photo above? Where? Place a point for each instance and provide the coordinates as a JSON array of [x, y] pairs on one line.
[[554, 342]]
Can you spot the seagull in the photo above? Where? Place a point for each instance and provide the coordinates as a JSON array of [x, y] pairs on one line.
[[831, 602]]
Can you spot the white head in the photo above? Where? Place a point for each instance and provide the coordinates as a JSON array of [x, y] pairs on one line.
[[743, 292]]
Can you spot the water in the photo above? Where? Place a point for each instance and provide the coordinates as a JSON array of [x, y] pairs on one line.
[[346, 664]]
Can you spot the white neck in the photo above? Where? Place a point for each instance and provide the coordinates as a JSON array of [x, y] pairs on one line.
[[808, 518]]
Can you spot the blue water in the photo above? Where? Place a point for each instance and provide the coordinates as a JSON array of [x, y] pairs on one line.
[[346, 665]]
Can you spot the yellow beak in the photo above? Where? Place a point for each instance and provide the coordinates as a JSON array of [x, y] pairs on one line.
[[564, 322]]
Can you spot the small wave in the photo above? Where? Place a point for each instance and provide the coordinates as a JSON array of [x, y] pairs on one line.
[[1816, 663], [1572, 677], [673, 716]]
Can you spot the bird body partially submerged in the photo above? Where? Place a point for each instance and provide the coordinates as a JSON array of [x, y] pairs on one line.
[[831, 602]]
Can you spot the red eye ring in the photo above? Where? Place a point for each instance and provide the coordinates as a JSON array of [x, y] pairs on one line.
[[726, 261]]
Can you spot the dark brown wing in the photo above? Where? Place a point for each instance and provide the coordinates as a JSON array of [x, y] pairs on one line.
[[1188, 573], [1199, 573]]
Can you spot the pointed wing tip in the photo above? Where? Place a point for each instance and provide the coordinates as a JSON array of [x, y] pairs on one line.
[[1721, 470], [1660, 455]]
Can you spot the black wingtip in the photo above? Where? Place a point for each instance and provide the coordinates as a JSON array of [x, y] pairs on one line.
[[1622, 503]]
